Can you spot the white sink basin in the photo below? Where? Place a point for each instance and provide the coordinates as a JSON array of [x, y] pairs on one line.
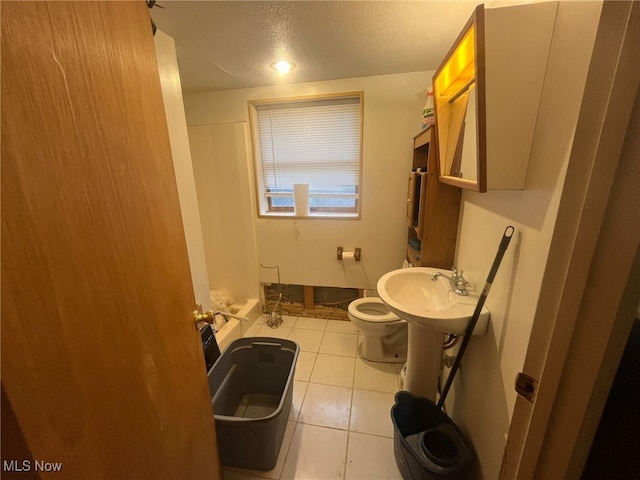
[[412, 294]]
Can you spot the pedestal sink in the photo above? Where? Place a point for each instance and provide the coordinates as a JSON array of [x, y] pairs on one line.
[[430, 306]]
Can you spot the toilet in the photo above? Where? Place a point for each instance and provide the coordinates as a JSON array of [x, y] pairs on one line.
[[384, 334]]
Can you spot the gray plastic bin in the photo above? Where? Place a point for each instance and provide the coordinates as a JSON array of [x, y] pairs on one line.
[[251, 388]]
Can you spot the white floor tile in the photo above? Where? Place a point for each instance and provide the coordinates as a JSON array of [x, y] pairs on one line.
[[316, 453], [304, 366], [267, 331], [309, 340], [341, 326], [335, 343], [289, 321], [371, 457], [370, 413], [252, 331], [311, 323], [299, 389], [380, 377], [326, 406], [333, 370]]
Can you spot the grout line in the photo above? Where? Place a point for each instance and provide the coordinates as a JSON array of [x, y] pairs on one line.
[[315, 361], [332, 385], [346, 451], [286, 454], [371, 434]]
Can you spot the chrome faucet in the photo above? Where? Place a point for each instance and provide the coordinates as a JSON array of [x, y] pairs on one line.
[[457, 282]]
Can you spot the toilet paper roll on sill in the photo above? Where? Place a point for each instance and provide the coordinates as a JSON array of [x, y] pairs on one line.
[[301, 199]]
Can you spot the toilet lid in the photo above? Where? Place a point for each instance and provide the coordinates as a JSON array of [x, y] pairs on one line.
[[372, 309]]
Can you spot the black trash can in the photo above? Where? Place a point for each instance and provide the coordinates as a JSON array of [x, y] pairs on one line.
[[426, 443]]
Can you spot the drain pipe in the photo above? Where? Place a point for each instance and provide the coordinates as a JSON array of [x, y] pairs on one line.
[[504, 243]]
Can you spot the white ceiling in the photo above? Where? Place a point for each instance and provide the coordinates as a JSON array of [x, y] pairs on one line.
[[230, 44]]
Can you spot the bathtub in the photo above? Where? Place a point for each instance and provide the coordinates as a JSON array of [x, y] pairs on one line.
[[234, 328]]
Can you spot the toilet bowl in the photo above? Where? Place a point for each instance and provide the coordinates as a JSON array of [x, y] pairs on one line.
[[384, 335]]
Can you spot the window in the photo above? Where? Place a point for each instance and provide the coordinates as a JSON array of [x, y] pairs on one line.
[[314, 141]]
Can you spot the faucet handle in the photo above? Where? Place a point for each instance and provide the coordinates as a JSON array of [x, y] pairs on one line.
[[459, 277]]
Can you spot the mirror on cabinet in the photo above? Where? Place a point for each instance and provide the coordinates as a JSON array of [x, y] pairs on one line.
[[460, 157], [487, 94], [459, 96]]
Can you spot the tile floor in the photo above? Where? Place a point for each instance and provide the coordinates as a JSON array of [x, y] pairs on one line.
[[340, 426]]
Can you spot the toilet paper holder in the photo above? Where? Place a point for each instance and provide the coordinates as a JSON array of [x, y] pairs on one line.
[[356, 253]]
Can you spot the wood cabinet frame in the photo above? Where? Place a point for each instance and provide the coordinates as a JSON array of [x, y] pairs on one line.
[[434, 205]]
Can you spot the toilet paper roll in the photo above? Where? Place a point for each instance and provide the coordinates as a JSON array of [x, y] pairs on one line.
[[301, 199], [348, 256]]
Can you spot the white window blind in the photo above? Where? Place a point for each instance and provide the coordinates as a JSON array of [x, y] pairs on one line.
[[315, 142]]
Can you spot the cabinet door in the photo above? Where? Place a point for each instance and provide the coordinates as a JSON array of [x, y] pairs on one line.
[[487, 94], [411, 204], [421, 200]]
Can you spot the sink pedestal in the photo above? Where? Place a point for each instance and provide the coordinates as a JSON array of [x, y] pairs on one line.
[[424, 357]]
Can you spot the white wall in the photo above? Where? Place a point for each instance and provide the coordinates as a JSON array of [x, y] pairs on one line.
[[177, 125], [220, 166], [484, 395], [305, 249]]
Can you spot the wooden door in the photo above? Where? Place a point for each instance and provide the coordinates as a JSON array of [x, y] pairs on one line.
[[102, 367], [589, 292]]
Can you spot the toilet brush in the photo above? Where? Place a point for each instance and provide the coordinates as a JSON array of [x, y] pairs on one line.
[[504, 243]]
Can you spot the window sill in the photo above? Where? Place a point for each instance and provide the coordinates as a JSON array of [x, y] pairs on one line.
[[312, 216]]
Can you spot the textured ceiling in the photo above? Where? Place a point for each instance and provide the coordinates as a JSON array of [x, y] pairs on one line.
[[230, 44]]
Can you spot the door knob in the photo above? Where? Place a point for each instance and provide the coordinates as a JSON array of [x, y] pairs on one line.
[[207, 317]]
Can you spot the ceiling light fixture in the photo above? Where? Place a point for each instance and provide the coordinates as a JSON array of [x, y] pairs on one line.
[[283, 66]]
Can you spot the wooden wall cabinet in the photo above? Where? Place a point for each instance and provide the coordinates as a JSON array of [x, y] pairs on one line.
[[487, 94], [432, 208]]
